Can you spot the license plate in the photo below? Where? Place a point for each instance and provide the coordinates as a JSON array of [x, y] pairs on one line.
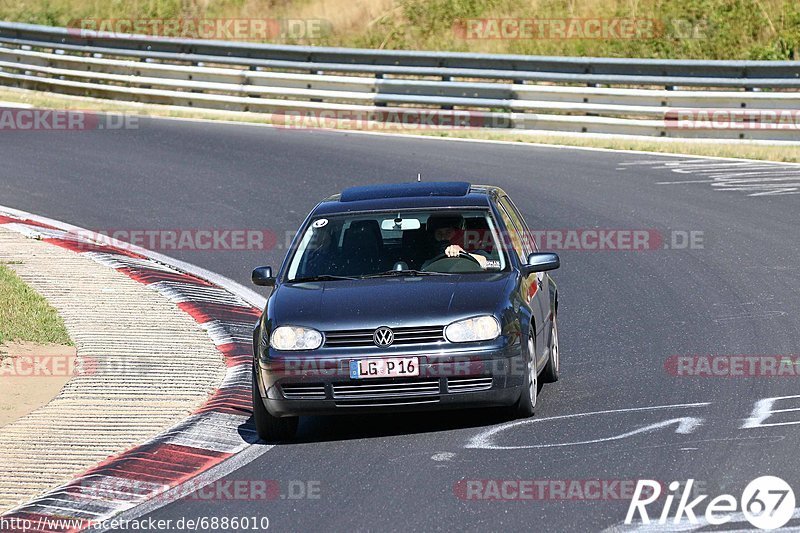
[[394, 367]]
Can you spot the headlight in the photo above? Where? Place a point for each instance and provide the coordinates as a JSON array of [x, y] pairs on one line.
[[480, 328], [295, 338]]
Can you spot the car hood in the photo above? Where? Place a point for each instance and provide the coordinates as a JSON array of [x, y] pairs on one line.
[[393, 302]]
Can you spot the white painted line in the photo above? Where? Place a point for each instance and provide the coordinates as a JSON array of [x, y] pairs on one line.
[[217, 432], [443, 456], [179, 292], [682, 182], [224, 333], [123, 261], [732, 168], [753, 178], [15, 105], [483, 440]]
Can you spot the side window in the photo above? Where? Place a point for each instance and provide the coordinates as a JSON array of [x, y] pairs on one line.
[[522, 234], [513, 235], [530, 241]]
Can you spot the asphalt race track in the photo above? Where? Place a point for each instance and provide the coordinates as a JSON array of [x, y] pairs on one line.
[[623, 314]]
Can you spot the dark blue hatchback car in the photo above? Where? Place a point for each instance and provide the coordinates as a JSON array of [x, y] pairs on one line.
[[405, 297]]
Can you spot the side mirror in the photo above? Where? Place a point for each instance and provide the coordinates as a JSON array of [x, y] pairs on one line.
[[541, 262], [263, 277]]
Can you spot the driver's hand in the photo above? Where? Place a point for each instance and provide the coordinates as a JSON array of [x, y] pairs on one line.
[[453, 250], [481, 260]]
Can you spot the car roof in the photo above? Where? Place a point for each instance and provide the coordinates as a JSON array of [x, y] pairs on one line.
[[413, 195]]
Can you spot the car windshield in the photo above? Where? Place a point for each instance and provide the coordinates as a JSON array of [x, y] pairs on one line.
[[398, 243]]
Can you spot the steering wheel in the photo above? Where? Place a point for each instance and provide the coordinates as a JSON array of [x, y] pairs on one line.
[[446, 263]]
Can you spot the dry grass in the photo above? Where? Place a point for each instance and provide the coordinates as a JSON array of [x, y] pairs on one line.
[[711, 29], [345, 18]]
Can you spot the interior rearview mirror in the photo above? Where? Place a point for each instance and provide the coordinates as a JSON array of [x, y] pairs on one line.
[[400, 224]]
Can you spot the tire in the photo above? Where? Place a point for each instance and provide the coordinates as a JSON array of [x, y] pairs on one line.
[[550, 372], [530, 391], [271, 428]]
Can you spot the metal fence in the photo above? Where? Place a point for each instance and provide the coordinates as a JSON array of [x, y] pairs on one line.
[[304, 85]]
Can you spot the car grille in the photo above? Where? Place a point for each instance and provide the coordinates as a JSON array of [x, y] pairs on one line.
[[310, 391], [373, 402], [469, 384], [385, 389], [386, 392], [402, 336]]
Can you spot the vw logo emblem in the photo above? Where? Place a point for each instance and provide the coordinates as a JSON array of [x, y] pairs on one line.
[[383, 336]]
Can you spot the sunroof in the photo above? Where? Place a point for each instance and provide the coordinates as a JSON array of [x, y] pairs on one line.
[[403, 190]]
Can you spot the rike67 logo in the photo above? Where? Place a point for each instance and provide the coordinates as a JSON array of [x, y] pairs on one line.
[[767, 503]]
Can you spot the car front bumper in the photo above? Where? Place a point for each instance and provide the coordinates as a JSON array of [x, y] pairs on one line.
[[320, 384]]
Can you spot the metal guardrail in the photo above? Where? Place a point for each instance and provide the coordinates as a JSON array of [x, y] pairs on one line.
[[595, 95]]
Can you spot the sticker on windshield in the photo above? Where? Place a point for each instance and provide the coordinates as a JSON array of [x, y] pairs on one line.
[[321, 223], [492, 265]]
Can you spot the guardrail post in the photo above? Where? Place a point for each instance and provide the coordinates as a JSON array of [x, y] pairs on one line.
[[379, 76]]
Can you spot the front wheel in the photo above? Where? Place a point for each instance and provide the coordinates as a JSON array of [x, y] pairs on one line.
[[271, 428], [550, 372], [530, 391]]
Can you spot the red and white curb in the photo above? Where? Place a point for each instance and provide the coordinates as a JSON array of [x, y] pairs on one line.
[[201, 448]]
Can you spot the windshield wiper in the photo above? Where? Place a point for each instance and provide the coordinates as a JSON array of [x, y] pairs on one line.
[[407, 272], [321, 277]]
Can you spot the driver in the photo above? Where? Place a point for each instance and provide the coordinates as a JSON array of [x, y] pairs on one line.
[[318, 256], [448, 232]]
